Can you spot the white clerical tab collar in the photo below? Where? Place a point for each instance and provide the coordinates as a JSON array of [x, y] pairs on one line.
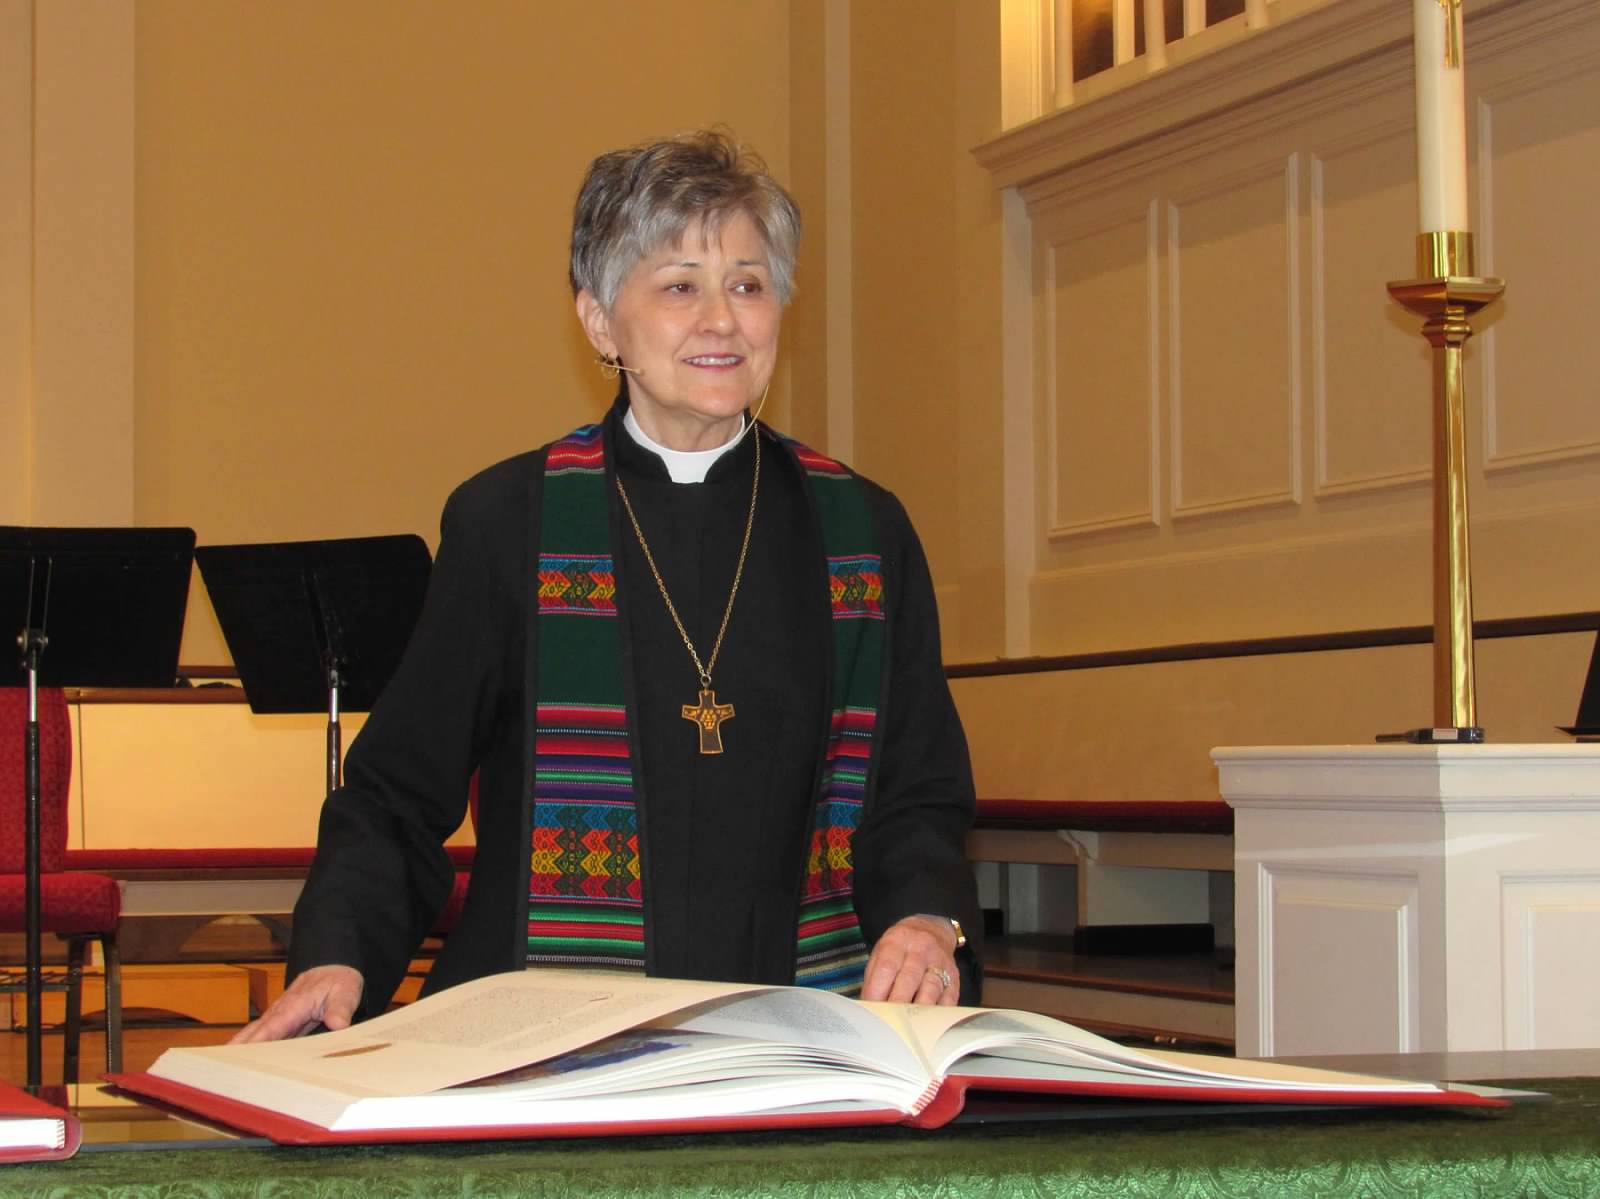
[[685, 466]]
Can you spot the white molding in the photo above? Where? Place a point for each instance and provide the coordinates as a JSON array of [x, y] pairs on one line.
[[1024, 94], [1322, 487], [1363, 889], [1576, 451], [1279, 70], [1105, 524], [1287, 169], [1419, 528], [1135, 518], [1293, 300], [1019, 418], [1412, 778], [1253, 887], [1524, 896], [1373, 484], [1583, 60]]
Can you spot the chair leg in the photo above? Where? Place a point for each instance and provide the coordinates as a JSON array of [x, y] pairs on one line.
[[69, 1039], [108, 948]]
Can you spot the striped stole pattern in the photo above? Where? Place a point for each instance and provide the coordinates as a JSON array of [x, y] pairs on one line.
[[585, 889], [832, 954], [585, 901]]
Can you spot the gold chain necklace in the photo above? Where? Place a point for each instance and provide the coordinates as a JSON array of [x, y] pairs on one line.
[[708, 714]]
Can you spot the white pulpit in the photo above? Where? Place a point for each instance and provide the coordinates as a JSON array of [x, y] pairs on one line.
[[1400, 898]]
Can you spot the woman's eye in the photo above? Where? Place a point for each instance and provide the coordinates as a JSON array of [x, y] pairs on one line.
[[749, 287], [680, 288]]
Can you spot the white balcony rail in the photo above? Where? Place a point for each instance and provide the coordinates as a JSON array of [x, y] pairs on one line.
[[1108, 44]]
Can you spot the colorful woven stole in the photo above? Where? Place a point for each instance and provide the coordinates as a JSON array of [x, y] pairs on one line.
[[585, 891], [831, 951]]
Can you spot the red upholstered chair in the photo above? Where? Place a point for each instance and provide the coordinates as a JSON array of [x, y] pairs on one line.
[[75, 906]]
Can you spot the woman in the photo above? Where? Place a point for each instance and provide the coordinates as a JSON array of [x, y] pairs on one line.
[[744, 759]]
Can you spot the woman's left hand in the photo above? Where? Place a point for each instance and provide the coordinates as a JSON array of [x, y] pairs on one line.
[[914, 962]]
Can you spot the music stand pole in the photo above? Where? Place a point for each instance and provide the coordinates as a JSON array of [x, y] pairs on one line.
[[32, 642], [335, 746]]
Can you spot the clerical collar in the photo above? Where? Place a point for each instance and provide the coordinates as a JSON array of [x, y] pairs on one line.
[[685, 466]]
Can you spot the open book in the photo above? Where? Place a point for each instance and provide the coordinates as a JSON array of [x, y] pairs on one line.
[[33, 1130], [557, 1053]]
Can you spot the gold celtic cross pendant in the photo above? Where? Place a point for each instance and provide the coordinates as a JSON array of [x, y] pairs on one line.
[[708, 716]]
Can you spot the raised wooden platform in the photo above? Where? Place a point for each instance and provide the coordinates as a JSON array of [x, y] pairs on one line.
[[1178, 997]]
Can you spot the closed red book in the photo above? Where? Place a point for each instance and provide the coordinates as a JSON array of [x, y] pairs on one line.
[[33, 1130]]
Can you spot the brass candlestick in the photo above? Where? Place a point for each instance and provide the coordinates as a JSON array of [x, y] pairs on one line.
[[1447, 293]]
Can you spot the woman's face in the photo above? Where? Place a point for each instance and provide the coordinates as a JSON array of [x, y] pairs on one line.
[[698, 325]]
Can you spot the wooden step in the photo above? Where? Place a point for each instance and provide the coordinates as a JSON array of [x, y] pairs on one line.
[[1183, 997]]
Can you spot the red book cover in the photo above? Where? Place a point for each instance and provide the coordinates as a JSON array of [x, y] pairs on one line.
[[286, 1130], [955, 1087], [33, 1130], [946, 1105]]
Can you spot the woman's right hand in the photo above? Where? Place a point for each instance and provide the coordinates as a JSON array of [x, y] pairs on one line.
[[325, 995]]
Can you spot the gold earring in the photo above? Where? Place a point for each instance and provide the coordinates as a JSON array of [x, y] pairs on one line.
[[610, 365]]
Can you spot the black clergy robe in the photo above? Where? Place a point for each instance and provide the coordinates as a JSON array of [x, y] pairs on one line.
[[723, 837]]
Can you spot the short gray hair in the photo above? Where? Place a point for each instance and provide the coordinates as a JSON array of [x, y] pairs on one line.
[[636, 201]]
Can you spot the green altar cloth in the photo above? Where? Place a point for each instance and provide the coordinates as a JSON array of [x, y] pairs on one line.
[[1536, 1149]]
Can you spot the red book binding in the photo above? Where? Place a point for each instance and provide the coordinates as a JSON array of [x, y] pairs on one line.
[[21, 1140], [286, 1130], [946, 1105]]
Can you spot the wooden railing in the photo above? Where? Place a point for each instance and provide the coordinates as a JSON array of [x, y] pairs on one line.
[[1483, 630]]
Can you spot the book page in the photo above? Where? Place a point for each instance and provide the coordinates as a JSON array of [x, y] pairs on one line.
[[1044, 1047], [483, 1027], [819, 1023], [32, 1133]]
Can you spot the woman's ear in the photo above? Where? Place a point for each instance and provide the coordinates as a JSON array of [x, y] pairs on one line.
[[596, 324]]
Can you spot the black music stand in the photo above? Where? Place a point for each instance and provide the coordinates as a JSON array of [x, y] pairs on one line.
[[317, 625], [112, 603], [1586, 726]]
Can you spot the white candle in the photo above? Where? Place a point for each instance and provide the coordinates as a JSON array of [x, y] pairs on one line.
[[1155, 34], [1255, 14], [1441, 117]]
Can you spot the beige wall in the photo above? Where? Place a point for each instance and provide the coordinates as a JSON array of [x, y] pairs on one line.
[[66, 262], [16, 259], [924, 91], [352, 228], [349, 221]]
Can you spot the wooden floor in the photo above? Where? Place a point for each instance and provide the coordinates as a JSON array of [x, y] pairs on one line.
[[140, 1047]]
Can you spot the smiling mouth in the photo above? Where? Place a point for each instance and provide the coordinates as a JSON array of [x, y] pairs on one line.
[[714, 360]]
